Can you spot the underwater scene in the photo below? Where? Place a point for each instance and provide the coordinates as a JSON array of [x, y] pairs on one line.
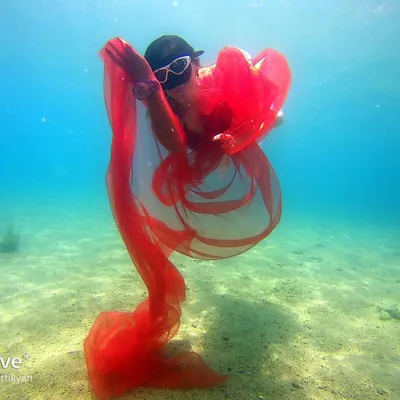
[[200, 200]]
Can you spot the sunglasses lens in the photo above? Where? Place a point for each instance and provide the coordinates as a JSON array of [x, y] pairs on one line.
[[178, 66], [177, 80], [161, 75], [174, 74]]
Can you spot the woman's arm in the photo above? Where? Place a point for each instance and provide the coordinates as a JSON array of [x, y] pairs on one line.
[[165, 124]]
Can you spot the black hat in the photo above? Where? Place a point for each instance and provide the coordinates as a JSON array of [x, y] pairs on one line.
[[166, 49]]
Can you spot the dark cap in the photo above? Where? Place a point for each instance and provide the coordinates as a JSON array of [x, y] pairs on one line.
[[166, 49]]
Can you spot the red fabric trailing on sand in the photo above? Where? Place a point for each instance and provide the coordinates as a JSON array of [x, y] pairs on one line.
[[190, 203]]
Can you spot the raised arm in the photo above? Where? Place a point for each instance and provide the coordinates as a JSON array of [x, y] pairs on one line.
[[164, 122]]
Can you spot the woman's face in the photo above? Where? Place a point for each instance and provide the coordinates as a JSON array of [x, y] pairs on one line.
[[188, 91]]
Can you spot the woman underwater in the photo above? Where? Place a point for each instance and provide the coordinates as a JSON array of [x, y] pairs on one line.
[[186, 175]]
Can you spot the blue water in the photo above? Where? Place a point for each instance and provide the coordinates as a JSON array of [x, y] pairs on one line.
[[336, 156], [336, 153]]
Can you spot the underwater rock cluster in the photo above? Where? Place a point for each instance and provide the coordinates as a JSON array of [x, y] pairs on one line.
[[9, 242], [392, 311]]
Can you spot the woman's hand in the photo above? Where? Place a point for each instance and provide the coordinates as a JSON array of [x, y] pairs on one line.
[[127, 58], [226, 140]]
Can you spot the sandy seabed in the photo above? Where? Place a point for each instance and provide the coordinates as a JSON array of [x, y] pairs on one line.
[[300, 316]]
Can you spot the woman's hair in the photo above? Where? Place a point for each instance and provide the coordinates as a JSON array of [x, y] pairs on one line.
[[196, 62]]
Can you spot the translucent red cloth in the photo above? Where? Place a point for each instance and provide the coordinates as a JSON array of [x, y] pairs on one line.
[[215, 200]]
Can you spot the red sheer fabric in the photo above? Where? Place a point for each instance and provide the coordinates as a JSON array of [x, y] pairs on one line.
[[216, 200]]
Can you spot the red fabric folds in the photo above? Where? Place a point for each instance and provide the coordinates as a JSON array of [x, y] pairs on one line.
[[217, 200]]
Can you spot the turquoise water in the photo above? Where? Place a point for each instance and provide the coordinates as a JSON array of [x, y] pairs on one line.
[[302, 315]]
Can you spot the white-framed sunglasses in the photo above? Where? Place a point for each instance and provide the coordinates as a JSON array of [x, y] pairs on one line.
[[176, 67]]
